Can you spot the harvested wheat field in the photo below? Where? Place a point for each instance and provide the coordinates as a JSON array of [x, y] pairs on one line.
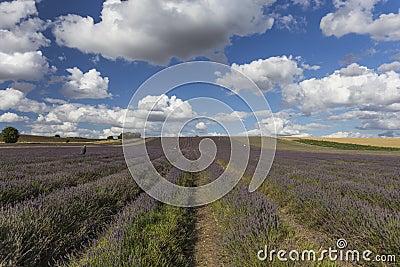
[[384, 142]]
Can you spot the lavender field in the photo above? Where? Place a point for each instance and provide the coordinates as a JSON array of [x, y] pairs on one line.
[[59, 208]]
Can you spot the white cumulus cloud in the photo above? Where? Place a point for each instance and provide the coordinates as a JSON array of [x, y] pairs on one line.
[[13, 12], [268, 74], [162, 115], [21, 37], [24, 37], [66, 129], [201, 126], [157, 31], [382, 121], [23, 86], [356, 16], [283, 123], [152, 111], [158, 108], [348, 135], [81, 113], [30, 66], [351, 86], [393, 66], [113, 131], [85, 85], [11, 99], [308, 3], [12, 117]]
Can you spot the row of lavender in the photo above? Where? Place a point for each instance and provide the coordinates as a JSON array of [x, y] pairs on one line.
[[35, 231], [350, 196], [147, 232], [19, 163], [327, 192], [347, 196], [18, 156], [58, 168], [52, 211], [248, 222]]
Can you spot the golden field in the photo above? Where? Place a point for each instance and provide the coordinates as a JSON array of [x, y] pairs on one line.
[[384, 142]]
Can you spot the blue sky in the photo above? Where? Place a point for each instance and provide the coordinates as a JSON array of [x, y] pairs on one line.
[[326, 67]]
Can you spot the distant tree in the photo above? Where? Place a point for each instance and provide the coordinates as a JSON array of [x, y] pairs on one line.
[[129, 135], [10, 135], [57, 136], [110, 137], [120, 136], [67, 140]]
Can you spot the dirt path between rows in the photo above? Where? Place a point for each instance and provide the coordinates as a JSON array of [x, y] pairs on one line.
[[206, 250]]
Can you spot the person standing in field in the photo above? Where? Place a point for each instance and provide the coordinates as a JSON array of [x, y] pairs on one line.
[[83, 150]]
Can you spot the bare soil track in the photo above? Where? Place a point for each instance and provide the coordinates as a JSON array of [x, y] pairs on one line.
[[384, 142], [206, 250]]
